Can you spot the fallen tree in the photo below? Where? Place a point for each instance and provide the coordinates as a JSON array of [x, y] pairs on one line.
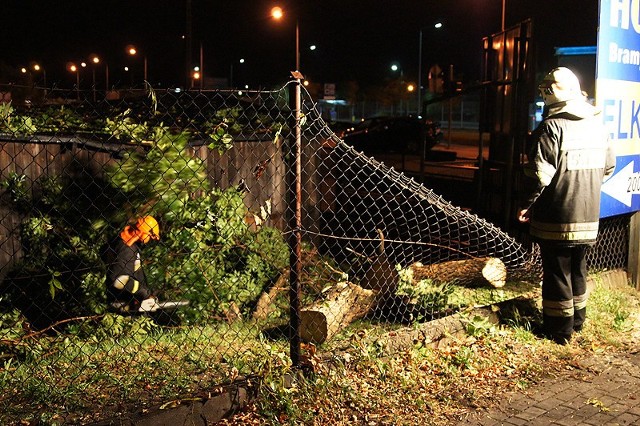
[[344, 302], [472, 272]]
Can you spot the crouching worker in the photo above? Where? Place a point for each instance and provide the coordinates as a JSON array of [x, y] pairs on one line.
[[126, 284]]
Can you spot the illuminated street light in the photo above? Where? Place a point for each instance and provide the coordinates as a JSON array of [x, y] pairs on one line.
[[95, 60], [395, 67], [437, 26], [277, 13], [73, 68], [132, 51], [195, 76], [38, 68]]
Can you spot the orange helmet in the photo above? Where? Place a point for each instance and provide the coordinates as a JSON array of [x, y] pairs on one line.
[[148, 228]]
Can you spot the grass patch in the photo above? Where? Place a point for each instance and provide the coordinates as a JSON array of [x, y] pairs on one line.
[[89, 376], [439, 385]]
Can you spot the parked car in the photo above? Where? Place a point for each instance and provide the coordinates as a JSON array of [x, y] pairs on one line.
[[393, 134]]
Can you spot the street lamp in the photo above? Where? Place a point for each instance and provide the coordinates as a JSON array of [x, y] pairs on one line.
[[36, 67], [95, 60], [395, 68], [132, 51], [73, 68], [195, 76], [437, 26], [397, 88], [277, 13], [295, 221]]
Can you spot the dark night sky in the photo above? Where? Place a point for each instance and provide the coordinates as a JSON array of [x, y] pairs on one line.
[[356, 39]]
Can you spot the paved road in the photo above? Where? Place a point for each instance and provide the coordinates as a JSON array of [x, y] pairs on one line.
[[602, 390]]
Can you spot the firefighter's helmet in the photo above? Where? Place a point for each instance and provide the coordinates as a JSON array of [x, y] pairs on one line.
[[560, 85], [148, 228]]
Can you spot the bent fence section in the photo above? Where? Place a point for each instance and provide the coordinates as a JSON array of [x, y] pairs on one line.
[[212, 167]]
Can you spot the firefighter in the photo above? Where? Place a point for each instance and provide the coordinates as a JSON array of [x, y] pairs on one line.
[[570, 157], [127, 289]]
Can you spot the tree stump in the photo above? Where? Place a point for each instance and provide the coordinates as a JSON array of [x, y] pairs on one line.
[[472, 272], [344, 303]]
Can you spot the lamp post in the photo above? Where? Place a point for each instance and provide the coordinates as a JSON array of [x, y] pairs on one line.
[[295, 221], [73, 68], [95, 60], [397, 89], [195, 76], [437, 26], [131, 50], [38, 68], [277, 13]]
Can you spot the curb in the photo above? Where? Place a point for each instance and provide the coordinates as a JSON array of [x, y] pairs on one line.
[[194, 411]]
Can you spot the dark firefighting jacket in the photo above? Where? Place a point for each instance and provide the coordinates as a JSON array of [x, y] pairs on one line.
[[125, 275], [570, 157]]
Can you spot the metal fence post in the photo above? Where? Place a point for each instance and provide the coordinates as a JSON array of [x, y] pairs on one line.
[[295, 239]]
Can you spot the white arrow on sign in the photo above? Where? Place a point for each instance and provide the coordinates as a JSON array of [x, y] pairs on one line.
[[623, 185]]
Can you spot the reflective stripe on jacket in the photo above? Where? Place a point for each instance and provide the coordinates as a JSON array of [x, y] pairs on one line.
[[569, 159]]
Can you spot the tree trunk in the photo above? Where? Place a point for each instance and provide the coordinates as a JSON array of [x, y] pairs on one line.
[[472, 272], [265, 305], [344, 303]]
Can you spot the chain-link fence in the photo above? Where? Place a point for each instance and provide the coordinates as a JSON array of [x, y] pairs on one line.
[[266, 230]]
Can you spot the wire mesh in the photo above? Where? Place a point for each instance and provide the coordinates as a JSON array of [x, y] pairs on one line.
[[212, 168]]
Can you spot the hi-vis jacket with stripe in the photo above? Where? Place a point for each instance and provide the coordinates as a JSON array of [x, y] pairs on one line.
[[570, 157]]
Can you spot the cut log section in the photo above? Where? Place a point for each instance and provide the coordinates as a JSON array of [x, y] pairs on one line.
[[472, 272], [344, 303]]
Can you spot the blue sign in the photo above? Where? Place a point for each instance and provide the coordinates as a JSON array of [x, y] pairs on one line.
[[621, 192], [618, 94], [619, 41]]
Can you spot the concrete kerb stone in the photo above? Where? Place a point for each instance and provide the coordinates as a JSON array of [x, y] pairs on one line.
[[232, 399]]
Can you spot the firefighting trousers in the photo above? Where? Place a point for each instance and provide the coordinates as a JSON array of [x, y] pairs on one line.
[[564, 289]]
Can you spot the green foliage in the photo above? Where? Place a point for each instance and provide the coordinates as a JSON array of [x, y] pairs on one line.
[[162, 179], [59, 274], [113, 326], [62, 120], [16, 186], [208, 253], [209, 256], [479, 326], [427, 295], [11, 122], [218, 127], [125, 128]]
